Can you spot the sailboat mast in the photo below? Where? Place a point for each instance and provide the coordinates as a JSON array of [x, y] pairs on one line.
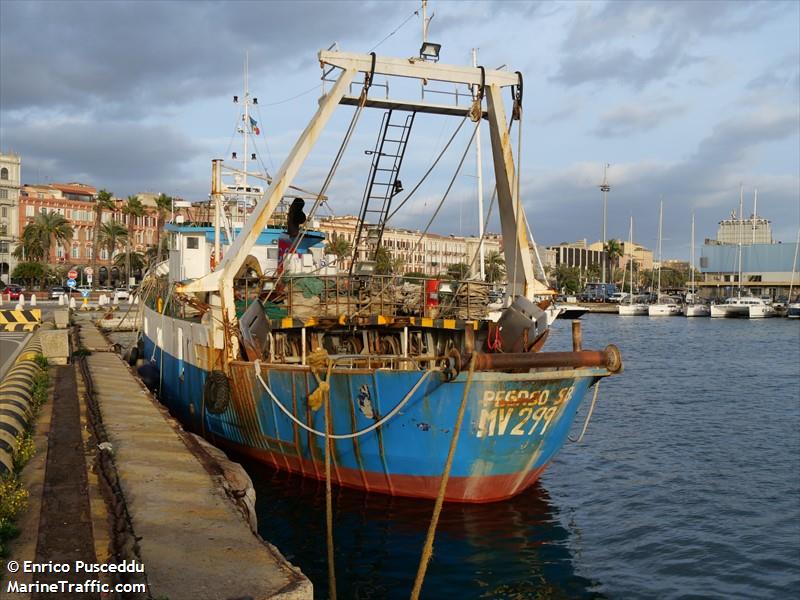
[[741, 234], [755, 210], [630, 255], [794, 265], [660, 225], [691, 265], [479, 169]]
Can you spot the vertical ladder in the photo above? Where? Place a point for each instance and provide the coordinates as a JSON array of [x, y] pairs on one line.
[[382, 185]]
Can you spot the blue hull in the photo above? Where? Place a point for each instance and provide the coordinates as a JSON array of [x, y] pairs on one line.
[[513, 426]]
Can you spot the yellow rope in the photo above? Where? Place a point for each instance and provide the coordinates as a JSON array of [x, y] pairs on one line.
[[328, 496], [427, 550]]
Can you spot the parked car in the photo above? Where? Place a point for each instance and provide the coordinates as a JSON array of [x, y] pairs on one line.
[[121, 294], [57, 292], [13, 291], [619, 297]]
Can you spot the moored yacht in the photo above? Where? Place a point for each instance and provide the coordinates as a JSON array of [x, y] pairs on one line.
[[665, 307], [693, 308]]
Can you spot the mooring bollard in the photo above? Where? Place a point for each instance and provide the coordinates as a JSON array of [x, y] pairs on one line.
[[33, 299], [72, 302], [22, 299], [61, 300]]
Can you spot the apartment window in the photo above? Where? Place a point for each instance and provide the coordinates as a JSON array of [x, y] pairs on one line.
[[103, 254], [29, 211], [3, 247], [40, 195], [89, 252], [69, 213], [4, 212], [76, 252], [3, 173], [59, 252], [3, 194]]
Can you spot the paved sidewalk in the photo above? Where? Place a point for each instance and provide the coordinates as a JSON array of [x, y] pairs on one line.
[[192, 541]]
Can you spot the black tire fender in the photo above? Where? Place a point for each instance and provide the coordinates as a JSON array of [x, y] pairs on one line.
[[217, 393], [133, 356]]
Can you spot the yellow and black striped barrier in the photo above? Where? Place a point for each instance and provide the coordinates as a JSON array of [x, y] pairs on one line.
[[16, 394], [20, 320]]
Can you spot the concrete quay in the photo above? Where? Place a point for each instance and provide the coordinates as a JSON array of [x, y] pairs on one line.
[[151, 493]]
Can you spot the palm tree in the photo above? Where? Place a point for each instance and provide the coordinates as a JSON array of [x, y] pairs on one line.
[[163, 206], [338, 246], [494, 266], [135, 261], [103, 201], [613, 254], [385, 264], [112, 236], [133, 208], [458, 271], [52, 229], [30, 247]]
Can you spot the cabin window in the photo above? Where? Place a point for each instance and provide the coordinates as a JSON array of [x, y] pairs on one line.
[[192, 243]]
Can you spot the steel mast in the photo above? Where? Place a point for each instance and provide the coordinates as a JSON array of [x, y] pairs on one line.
[[481, 248], [605, 187]]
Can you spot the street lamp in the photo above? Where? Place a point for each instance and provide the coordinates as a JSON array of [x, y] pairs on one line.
[[605, 187]]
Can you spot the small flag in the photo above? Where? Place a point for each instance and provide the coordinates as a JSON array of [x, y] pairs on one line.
[[254, 126]]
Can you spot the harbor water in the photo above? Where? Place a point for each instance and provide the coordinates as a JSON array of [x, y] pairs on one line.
[[687, 484]]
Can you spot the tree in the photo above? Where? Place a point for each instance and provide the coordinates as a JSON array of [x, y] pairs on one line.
[[30, 247], [458, 271], [29, 271], [39, 236], [135, 262], [103, 201], [568, 279], [163, 206], [613, 253], [112, 236], [385, 264], [133, 209], [340, 247], [494, 266]]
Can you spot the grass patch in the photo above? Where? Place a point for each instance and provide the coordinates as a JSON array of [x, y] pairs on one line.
[[13, 500]]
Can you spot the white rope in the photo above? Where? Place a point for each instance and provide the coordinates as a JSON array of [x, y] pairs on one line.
[[589, 415], [342, 436]]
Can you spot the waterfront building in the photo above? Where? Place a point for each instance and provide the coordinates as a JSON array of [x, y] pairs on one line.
[[577, 254], [10, 177], [766, 265], [753, 230], [76, 203], [433, 255]]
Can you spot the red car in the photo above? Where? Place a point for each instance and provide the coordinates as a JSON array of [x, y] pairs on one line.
[[12, 290]]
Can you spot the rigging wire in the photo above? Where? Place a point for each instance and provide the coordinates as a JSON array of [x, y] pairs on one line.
[[447, 191], [398, 28], [428, 172]]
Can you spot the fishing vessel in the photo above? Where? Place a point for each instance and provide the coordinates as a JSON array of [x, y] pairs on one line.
[[381, 373]]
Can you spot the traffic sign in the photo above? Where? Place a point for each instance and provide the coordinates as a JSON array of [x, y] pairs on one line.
[[89, 271], [85, 293], [71, 283], [72, 274]]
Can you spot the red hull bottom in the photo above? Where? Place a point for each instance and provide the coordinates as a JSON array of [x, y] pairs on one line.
[[475, 490]]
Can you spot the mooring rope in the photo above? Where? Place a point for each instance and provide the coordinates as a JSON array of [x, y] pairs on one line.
[[427, 550], [342, 436], [588, 415], [328, 494]]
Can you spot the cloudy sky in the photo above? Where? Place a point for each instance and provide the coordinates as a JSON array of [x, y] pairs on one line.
[[685, 100]]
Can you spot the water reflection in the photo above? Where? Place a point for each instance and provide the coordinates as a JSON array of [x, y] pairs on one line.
[[511, 549]]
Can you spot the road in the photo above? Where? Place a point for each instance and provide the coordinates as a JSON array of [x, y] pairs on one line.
[[10, 345]]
